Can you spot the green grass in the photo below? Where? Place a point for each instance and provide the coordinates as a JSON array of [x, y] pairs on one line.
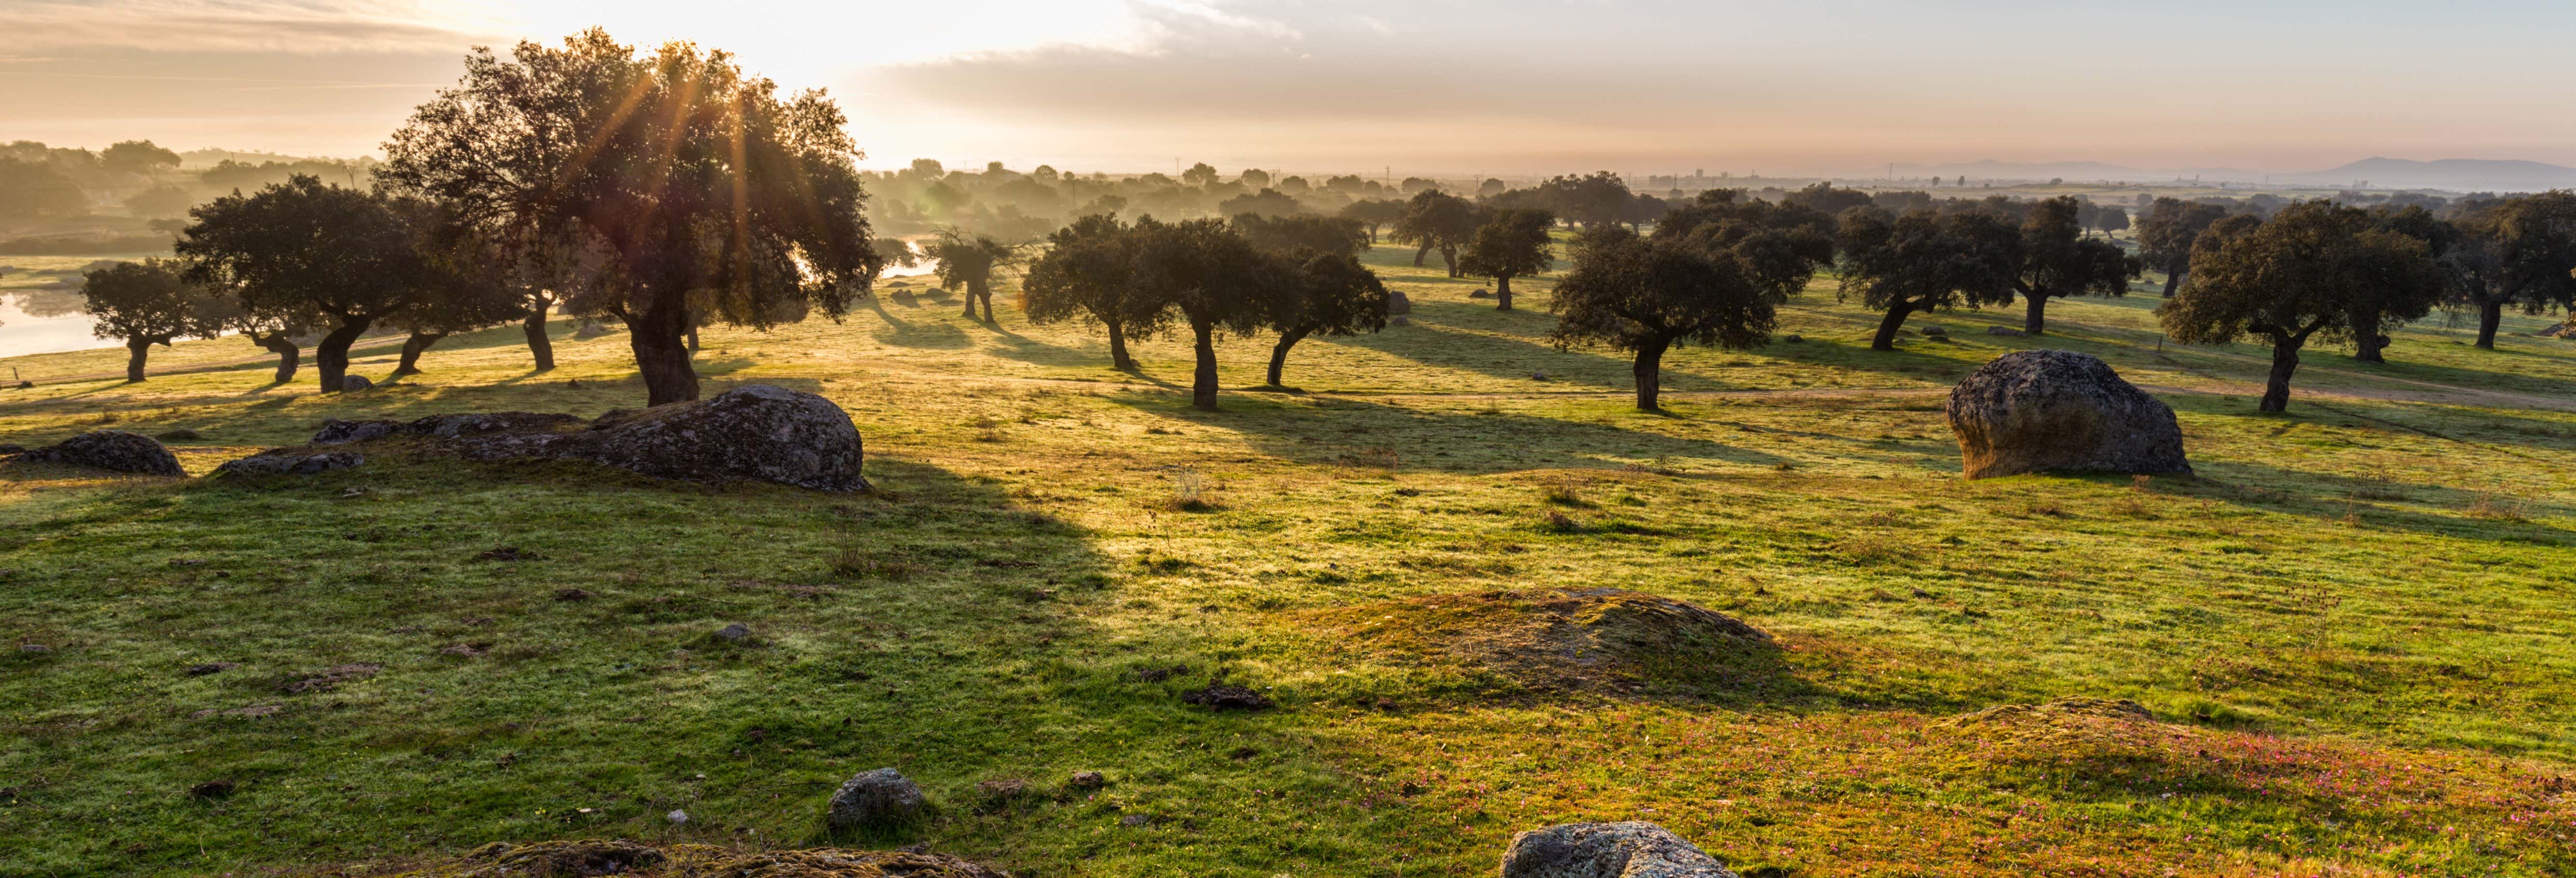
[[2354, 621]]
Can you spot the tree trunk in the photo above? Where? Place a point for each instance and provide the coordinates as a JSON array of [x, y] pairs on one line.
[[1372, 234], [411, 351], [1650, 374], [2366, 341], [1450, 255], [2036, 317], [1895, 320], [1203, 381], [974, 287], [2173, 279], [539, 345], [659, 337], [2285, 360], [693, 341], [1502, 292], [136, 349], [331, 355], [2490, 316], [288, 356], [1419, 255], [1279, 353], [1118, 358]]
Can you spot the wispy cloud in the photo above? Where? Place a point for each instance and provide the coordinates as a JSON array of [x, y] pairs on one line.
[[293, 26]]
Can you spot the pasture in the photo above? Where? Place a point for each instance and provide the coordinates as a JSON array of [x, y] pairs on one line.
[[2352, 626]]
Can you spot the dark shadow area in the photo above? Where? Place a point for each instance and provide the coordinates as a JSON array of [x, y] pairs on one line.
[[1342, 431]]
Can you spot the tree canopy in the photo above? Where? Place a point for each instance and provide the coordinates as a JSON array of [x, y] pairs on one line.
[[2166, 232], [692, 186]]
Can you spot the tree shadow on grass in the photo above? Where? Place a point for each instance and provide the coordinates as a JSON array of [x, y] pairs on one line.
[[924, 334], [1357, 432], [2375, 503]]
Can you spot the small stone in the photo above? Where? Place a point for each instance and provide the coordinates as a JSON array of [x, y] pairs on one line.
[[213, 789], [1087, 780], [1794, 338], [34, 648], [2002, 330], [736, 632], [356, 382], [211, 668], [508, 553], [874, 800], [573, 594], [1134, 820], [677, 817], [1399, 320]]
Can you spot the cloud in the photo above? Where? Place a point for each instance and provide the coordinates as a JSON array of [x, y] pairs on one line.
[[292, 26]]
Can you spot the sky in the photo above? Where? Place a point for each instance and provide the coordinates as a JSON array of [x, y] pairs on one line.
[[1448, 87]]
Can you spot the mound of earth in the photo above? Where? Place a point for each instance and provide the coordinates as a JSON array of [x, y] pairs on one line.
[[2034, 411], [753, 433], [590, 857], [1590, 639], [2063, 724]]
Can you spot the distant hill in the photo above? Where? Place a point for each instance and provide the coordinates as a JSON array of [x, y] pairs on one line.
[[2463, 175], [1991, 169]]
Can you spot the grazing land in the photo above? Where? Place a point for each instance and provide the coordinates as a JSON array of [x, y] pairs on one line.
[[2351, 628]]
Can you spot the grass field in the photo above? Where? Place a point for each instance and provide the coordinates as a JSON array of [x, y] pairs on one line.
[[2352, 627]]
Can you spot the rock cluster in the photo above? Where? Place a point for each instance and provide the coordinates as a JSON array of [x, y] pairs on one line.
[[2042, 410], [754, 433], [1633, 849]]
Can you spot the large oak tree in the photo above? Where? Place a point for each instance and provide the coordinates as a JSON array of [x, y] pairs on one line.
[[1217, 280], [1436, 220], [968, 262], [2518, 252], [1089, 271], [1321, 293], [686, 181], [147, 303], [2058, 261], [1644, 296], [1924, 261], [349, 259], [2295, 278], [1512, 243]]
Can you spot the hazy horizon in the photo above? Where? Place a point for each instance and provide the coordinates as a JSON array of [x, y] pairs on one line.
[[1504, 89]]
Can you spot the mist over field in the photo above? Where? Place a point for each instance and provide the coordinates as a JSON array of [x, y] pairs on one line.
[[1260, 438]]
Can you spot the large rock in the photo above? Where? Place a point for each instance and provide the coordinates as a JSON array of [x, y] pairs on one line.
[[1397, 303], [110, 450], [1633, 849], [2032, 411], [873, 800], [754, 433]]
